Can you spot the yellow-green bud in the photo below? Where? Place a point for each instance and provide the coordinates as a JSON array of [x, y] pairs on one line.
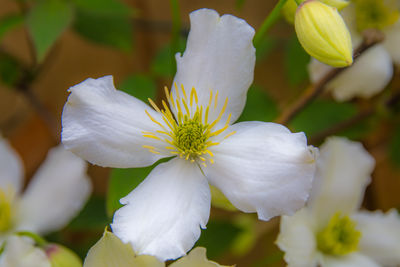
[[290, 7], [60, 256], [339, 4], [323, 33], [289, 10]]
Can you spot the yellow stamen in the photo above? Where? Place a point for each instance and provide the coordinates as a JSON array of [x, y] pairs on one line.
[[153, 105], [185, 130], [183, 91]]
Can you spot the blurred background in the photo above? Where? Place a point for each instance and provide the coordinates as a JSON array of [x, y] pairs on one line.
[[48, 46]]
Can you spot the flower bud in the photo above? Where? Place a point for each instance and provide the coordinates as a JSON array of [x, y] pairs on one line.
[[339, 4], [60, 256], [289, 8], [323, 33]]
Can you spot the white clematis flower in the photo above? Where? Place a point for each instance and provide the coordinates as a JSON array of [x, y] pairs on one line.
[[22, 252], [261, 167], [331, 231], [54, 196], [374, 68]]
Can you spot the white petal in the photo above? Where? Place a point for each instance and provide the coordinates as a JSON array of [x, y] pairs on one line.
[[104, 125], [392, 41], [21, 252], [380, 237], [369, 75], [163, 215], [343, 171], [11, 168], [56, 193], [317, 70], [219, 56], [350, 260], [297, 239], [263, 168]]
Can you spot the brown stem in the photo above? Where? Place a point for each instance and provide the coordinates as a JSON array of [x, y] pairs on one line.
[[364, 114], [47, 117], [370, 38], [23, 86]]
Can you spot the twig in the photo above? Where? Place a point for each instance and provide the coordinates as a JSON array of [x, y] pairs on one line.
[[23, 86], [364, 114], [371, 37]]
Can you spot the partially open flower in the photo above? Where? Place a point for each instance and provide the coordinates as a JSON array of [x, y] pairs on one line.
[[323, 33]]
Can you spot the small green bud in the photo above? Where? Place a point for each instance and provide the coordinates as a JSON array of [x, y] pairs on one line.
[[60, 256], [323, 33]]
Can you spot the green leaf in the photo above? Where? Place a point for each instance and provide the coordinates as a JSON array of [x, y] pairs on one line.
[[218, 237], [265, 47], [239, 4], [140, 86], [321, 115], [10, 22], [46, 21], [296, 61], [105, 7], [259, 106], [394, 151], [106, 22], [10, 70], [93, 216], [162, 64]]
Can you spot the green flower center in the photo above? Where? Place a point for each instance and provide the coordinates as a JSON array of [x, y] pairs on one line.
[[5, 212], [375, 14], [188, 131], [191, 136], [339, 237]]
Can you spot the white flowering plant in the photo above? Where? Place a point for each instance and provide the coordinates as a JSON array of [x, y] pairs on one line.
[[207, 131]]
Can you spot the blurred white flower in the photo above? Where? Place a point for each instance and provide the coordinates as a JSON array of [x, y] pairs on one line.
[[373, 70], [260, 167], [21, 252], [54, 196], [110, 251], [331, 231]]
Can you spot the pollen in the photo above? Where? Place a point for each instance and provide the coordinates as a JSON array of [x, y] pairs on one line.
[[339, 237], [375, 14], [186, 128], [5, 212]]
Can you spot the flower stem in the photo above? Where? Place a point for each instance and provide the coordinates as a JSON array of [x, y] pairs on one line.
[[176, 25], [268, 22], [39, 240], [370, 39]]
